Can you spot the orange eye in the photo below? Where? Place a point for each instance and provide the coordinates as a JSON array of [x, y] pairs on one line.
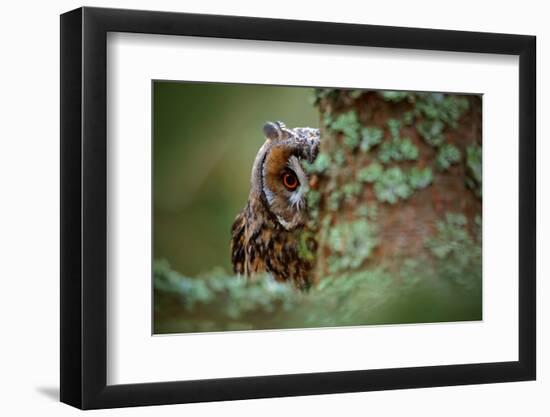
[[290, 181]]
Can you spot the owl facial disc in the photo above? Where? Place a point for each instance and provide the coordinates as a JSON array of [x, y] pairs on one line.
[[278, 174]]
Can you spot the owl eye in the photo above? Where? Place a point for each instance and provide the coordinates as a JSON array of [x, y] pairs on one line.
[[290, 181]]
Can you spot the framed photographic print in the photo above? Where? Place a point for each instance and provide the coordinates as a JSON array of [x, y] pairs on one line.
[[256, 208]]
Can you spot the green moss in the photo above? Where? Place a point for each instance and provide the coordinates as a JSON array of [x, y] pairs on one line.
[[394, 96], [457, 254], [313, 199], [474, 169], [388, 151], [327, 120], [438, 111], [408, 118], [370, 137], [447, 108], [371, 173], [320, 94], [351, 190], [447, 155], [355, 94], [319, 166], [351, 243], [362, 211], [351, 142], [407, 150], [398, 150], [420, 178], [339, 157], [348, 124], [431, 131], [394, 126], [392, 186], [306, 245], [368, 211], [478, 228], [450, 231], [334, 200]]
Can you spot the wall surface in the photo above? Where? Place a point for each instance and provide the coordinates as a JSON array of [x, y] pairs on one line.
[[29, 237]]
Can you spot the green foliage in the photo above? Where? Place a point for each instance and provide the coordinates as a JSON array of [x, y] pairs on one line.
[[420, 178], [447, 155], [473, 169], [370, 137], [351, 243], [392, 186], [169, 281], [239, 295], [371, 296], [363, 297], [347, 298], [458, 256], [371, 173]]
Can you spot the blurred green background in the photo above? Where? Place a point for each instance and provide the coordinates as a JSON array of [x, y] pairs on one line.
[[205, 139]]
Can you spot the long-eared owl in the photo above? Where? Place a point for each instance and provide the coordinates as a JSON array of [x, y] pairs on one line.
[[265, 235]]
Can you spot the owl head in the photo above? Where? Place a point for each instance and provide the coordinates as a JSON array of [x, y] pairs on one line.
[[278, 175]]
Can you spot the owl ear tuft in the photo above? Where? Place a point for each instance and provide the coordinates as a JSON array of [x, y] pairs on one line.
[[274, 130]]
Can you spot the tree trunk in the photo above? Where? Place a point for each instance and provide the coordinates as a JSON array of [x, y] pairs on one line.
[[393, 169]]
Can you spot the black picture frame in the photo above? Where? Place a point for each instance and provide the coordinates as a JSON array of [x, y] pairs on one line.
[[84, 207]]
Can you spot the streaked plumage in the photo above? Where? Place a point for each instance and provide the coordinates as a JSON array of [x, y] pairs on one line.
[[265, 235]]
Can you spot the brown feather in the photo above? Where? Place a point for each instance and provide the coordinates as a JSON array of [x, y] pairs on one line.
[[265, 235]]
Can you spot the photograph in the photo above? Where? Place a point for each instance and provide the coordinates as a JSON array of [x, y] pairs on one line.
[[287, 207]]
